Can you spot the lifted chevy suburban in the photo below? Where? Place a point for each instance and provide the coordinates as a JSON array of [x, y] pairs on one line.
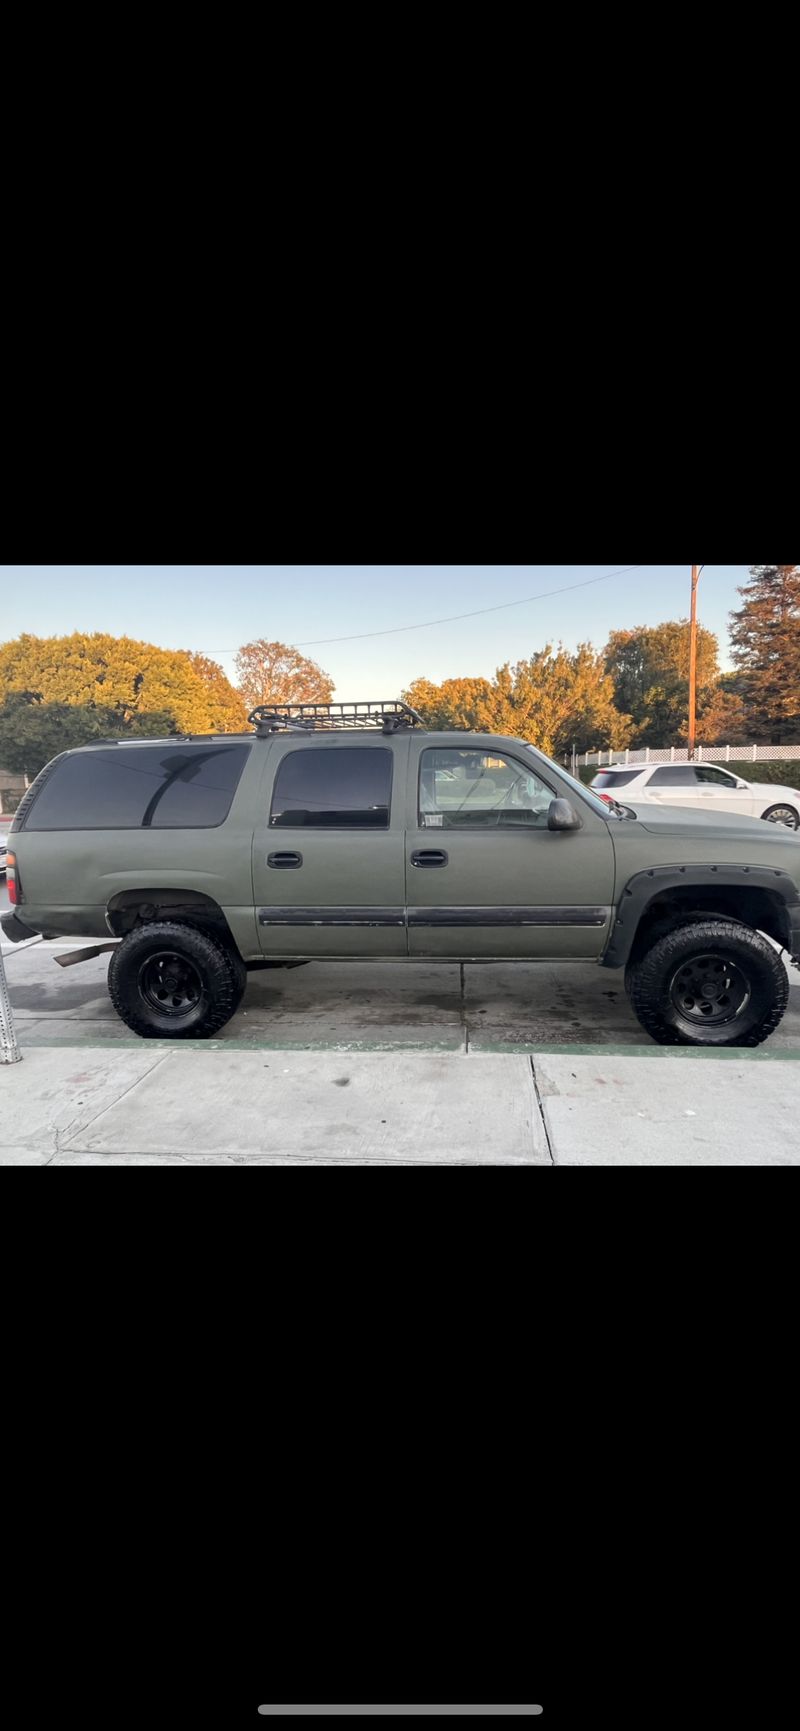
[[341, 831]]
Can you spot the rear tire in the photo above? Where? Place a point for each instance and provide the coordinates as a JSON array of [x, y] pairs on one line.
[[169, 981], [711, 983]]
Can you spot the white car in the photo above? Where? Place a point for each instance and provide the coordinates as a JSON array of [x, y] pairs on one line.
[[700, 787]]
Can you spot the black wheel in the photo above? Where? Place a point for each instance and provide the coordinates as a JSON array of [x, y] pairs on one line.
[[173, 982], [784, 814], [711, 983]]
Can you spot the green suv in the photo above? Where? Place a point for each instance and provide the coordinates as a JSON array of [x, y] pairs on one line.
[[347, 831]]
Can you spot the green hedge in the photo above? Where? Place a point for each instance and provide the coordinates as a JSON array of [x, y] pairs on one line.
[[786, 772]]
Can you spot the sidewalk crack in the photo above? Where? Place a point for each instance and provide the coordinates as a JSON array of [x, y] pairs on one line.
[[540, 1103]]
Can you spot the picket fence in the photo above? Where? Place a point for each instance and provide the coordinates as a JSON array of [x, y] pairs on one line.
[[703, 754]]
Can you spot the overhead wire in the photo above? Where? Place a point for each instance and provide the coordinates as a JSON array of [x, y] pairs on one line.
[[451, 618]]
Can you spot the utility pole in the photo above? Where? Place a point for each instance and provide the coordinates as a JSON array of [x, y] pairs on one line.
[[696, 569]]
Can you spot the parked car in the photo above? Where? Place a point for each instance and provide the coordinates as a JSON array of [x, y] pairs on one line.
[[347, 831], [697, 786], [3, 852]]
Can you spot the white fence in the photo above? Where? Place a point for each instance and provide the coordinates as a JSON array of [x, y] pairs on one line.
[[703, 754]]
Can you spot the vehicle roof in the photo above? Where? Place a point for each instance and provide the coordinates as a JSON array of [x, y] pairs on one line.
[[456, 737]]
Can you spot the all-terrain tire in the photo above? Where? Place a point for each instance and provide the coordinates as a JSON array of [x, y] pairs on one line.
[[237, 966], [712, 983], [169, 981]]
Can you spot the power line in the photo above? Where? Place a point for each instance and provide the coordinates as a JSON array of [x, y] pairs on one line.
[[450, 618]]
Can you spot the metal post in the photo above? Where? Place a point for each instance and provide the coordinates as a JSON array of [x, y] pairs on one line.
[[696, 569], [9, 1050]]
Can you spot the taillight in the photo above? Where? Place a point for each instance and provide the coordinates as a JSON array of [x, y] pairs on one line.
[[11, 879]]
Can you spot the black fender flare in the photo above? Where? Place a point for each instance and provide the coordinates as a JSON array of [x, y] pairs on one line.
[[645, 886]]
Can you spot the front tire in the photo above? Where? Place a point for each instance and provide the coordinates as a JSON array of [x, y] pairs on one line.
[[711, 983], [783, 814], [173, 982]]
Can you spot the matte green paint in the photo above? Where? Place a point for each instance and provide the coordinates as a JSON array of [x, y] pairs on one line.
[[69, 877]]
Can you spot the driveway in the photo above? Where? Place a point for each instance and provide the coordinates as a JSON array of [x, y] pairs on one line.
[[380, 1006]]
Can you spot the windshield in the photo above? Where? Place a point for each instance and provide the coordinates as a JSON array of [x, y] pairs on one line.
[[585, 792]]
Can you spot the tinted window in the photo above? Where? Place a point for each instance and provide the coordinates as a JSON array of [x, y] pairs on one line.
[[479, 790], [615, 777], [341, 787], [142, 786], [679, 775], [717, 777]]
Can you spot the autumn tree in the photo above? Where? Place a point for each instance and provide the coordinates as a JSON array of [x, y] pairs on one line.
[[553, 700], [723, 717], [765, 633], [32, 731], [227, 709], [277, 673], [556, 700], [649, 666], [125, 678], [456, 703]]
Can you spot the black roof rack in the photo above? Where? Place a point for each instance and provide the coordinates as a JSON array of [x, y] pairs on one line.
[[391, 716]]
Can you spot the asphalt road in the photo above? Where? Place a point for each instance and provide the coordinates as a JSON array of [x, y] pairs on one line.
[[379, 1006]]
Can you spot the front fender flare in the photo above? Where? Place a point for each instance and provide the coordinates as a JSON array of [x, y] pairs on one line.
[[643, 887]]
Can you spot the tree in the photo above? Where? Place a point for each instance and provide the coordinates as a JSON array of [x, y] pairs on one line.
[[552, 700], [723, 718], [227, 710], [277, 673], [456, 703], [32, 732], [649, 666], [556, 700], [124, 677], [765, 633]]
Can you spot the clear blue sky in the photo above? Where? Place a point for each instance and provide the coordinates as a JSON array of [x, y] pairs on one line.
[[217, 608]]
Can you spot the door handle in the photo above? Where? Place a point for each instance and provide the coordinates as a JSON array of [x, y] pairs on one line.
[[430, 856], [284, 862]]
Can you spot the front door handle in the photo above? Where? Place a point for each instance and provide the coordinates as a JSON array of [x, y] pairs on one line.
[[429, 856], [284, 862]]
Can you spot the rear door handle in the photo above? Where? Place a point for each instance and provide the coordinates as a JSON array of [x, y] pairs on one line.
[[430, 856], [284, 862]]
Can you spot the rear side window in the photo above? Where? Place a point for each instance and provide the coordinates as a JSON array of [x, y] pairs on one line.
[[139, 787], [681, 775], [340, 788], [615, 777]]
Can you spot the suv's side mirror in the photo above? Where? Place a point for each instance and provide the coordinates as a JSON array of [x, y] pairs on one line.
[[742, 784], [562, 815]]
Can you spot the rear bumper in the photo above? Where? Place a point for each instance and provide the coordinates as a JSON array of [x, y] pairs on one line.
[[15, 929]]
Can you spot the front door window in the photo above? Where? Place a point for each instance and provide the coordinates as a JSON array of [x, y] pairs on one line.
[[479, 790]]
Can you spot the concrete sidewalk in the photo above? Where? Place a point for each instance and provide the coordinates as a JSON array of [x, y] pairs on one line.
[[204, 1104]]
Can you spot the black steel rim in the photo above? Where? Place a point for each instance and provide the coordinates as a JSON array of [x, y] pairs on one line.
[[709, 990], [784, 814], [170, 983]]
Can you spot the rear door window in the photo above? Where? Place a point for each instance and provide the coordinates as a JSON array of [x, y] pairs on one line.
[[612, 778], [677, 775], [341, 787], [139, 787]]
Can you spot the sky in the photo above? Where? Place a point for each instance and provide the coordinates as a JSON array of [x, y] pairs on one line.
[[216, 608]]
